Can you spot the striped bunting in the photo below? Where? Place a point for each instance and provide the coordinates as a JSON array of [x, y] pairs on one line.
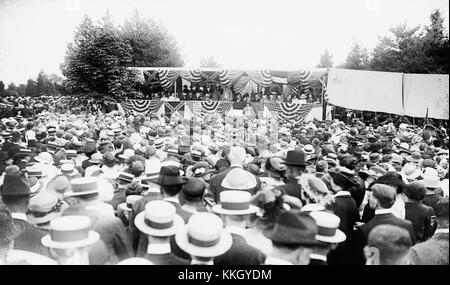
[[141, 106], [229, 77], [261, 77], [293, 112], [168, 77]]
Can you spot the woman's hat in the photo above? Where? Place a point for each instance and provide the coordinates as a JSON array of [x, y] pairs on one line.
[[68, 169], [169, 176], [127, 153], [96, 158], [327, 227], [44, 207], [44, 157], [204, 241], [129, 202], [239, 179], [59, 184], [159, 219], [201, 168], [411, 171], [414, 157], [70, 232], [308, 149], [431, 178], [293, 228], [83, 186], [234, 202]]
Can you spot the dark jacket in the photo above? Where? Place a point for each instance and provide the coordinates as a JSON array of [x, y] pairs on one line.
[[240, 253], [166, 259], [345, 208], [30, 238], [313, 261], [420, 216]]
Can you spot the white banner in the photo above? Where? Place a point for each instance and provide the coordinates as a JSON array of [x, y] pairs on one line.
[[366, 90], [422, 91]]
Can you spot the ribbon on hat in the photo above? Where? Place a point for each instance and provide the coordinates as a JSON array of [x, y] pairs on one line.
[[235, 206], [202, 243], [327, 232], [68, 236], [159, 226]]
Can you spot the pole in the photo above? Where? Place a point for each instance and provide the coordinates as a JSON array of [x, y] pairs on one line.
[[324, 104]]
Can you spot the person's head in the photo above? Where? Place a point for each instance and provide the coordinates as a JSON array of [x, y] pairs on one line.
[[441, 211], [415, 191], [15, 137], [388, 245], [393, 179], [322, 166], [382, 197]]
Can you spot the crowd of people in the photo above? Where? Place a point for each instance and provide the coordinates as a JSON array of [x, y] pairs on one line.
[[85, 187]]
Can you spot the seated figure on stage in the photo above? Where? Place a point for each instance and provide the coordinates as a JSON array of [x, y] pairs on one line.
[[249, 112]]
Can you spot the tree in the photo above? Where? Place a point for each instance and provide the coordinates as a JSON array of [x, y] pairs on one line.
[[358, 58], [97, 60], [151, 43], [31, 88], [436, 43], [209, 62], [326, 60], [12, 86], [44, 85], [21, 90]]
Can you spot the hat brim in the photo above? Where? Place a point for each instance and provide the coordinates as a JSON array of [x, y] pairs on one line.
[[224, 244], [92, 238], [45, 219], [73, 173], [38, 159], [71, 193], [124, 207], [219, 210], [139, 222], [179, 181], [337, 238]]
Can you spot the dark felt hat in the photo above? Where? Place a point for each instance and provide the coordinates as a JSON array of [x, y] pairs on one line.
[[295, 158], [169, 176], [15, 185]]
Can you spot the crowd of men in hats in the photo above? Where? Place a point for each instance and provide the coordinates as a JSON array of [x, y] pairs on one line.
[[104, 188]]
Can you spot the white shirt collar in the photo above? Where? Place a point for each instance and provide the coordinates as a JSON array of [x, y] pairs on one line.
[[441, 231], [276, 261], [383, 211], [172, 199], [159, 248], [235, 165], [196, 262], [318, 257], [342, 193], [19, 216]]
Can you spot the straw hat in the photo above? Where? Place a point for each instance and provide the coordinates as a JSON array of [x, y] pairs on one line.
[[44, 157], [239, 179], [68, 169], [431, 178], [83, 186], [159, 219], [129, 202], [70, 232], [198, 240], [327, 225], [234, 202]]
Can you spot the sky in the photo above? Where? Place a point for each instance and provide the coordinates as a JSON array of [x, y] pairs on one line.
[[241, 34]]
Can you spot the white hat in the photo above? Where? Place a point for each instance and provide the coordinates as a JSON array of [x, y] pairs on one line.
[[70, 232], [235, 202], [308, 149], [204, 241], [135, 261], [68, 169], [83, 186], [327, 225], [130, 200], [431, 178], [411, 171], [159, 219], [312, 208], [239, 179], [44, 157], [127, 153]]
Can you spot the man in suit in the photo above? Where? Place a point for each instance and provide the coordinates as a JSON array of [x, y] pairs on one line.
[[435, 250], [159, 222], [387, 245], [15, 193], [236, 157], [170, 183], [293, 236], [295, 166], [235, 210], [382, 199]]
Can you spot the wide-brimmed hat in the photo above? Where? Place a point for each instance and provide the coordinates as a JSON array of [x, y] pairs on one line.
[[204, 241], [70, 232], [411, 171], [293, 228], [295, 158], [15, 185], [68, 169], [201, 168], [159, 219], [127, 153], [59, 184], [44, 157], [44, 207], [83, 186], [414, 157], [169, 176], [431, 178], [327, 227], [234, 202], [239, 179], [129, 202], [96, 158]]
